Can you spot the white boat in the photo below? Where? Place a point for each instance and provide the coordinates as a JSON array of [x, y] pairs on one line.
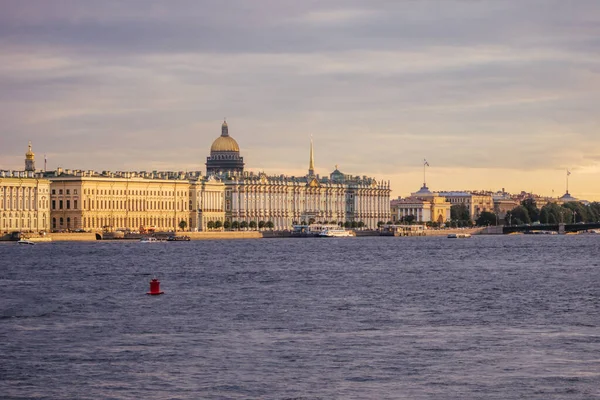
[[459, 235], [149, 240], [336, 232], [25, 241]]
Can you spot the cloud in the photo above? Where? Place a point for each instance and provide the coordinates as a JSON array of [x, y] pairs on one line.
[[475, 85]]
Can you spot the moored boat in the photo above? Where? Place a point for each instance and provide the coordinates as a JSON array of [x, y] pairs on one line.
[[336, 232], [459, 235], [25, 241]]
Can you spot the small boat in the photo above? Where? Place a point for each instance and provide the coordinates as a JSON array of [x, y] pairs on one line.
[[178, 239], [336, 233], [149, 240], [459, 235], [25, 241]]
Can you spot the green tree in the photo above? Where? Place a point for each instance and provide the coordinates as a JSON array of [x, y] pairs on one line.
[[379, 223], [347, 224], [486, 218], [520, 216], [269, 224], [354, 224], [243, 225], [303, 222], [409, 219], [218, 224], [459, 212], [182, 225], [311, 221], [210, 224], [227, 224], [252, 225], [532, 210], [261, 224], [360, 224], [235, 225]]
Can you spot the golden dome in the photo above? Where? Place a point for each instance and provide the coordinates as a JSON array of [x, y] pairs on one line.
[[29, 155], [225, 143]]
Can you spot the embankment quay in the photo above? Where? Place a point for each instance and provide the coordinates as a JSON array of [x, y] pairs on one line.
[[220, 235]]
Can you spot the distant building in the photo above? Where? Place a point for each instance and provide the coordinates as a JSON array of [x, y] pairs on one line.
[[118, 200], [284, 200], [224, 155], [24, 199], [423, 205], [475, 202]]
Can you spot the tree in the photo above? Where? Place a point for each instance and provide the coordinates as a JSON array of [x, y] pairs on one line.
[[459, 212], [269, 224], [252, 225], [354, 224], [243, 224], [227, 225], [261, 224], [347, 224], [389, 223], [311, 221], [235, 225], [409, 219], [486, 218], [520, 216], [182, 225], [218, 224], [532, 210], [303, 222], [379, 223], [360, 224], [210, 224]]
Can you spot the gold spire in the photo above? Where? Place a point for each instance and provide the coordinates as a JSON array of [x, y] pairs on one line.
[[29, 155], [311, 165]]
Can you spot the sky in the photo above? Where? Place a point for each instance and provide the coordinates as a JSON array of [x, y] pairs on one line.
[[493, 94]]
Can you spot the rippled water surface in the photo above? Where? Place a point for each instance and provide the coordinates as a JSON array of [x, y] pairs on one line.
[[353, 318]]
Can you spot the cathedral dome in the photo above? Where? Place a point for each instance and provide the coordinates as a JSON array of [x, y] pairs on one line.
[[225, 143]]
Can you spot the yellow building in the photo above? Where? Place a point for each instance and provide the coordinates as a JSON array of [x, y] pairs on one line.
[[24, 202], [86, 200], [206, 203]]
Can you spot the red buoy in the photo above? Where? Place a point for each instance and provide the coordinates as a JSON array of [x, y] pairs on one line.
[[155, 287]]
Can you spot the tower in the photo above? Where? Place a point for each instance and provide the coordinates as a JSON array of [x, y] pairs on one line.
[[311, 164], [224, 155], [29, 159]]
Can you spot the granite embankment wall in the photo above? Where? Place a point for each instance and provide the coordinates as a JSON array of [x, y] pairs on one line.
[[445, 232], [72, 237]]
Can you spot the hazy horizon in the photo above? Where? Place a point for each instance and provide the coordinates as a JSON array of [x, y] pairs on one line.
[[493, 94]]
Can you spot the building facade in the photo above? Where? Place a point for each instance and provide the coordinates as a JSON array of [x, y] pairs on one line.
[[424, 206], [475, 202], [285, 201], [24, 199], [86, 200]]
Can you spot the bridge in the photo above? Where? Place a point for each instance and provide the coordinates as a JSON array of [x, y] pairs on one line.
[[560, 228]]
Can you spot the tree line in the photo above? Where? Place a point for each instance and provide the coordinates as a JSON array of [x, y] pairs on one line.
[[527, 212]]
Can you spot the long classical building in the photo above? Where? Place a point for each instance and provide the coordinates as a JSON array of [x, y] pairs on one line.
[[24, 199], [285, 200], [225, 196]]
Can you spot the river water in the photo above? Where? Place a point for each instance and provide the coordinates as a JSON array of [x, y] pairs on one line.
[[491, 317]]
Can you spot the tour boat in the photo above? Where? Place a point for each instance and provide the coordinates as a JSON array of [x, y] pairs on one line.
[[335, 232], [459, 235]]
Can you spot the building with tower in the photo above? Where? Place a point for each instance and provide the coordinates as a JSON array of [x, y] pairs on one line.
[[260, 199], [224, 155], [24, 199], [29, 159]]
